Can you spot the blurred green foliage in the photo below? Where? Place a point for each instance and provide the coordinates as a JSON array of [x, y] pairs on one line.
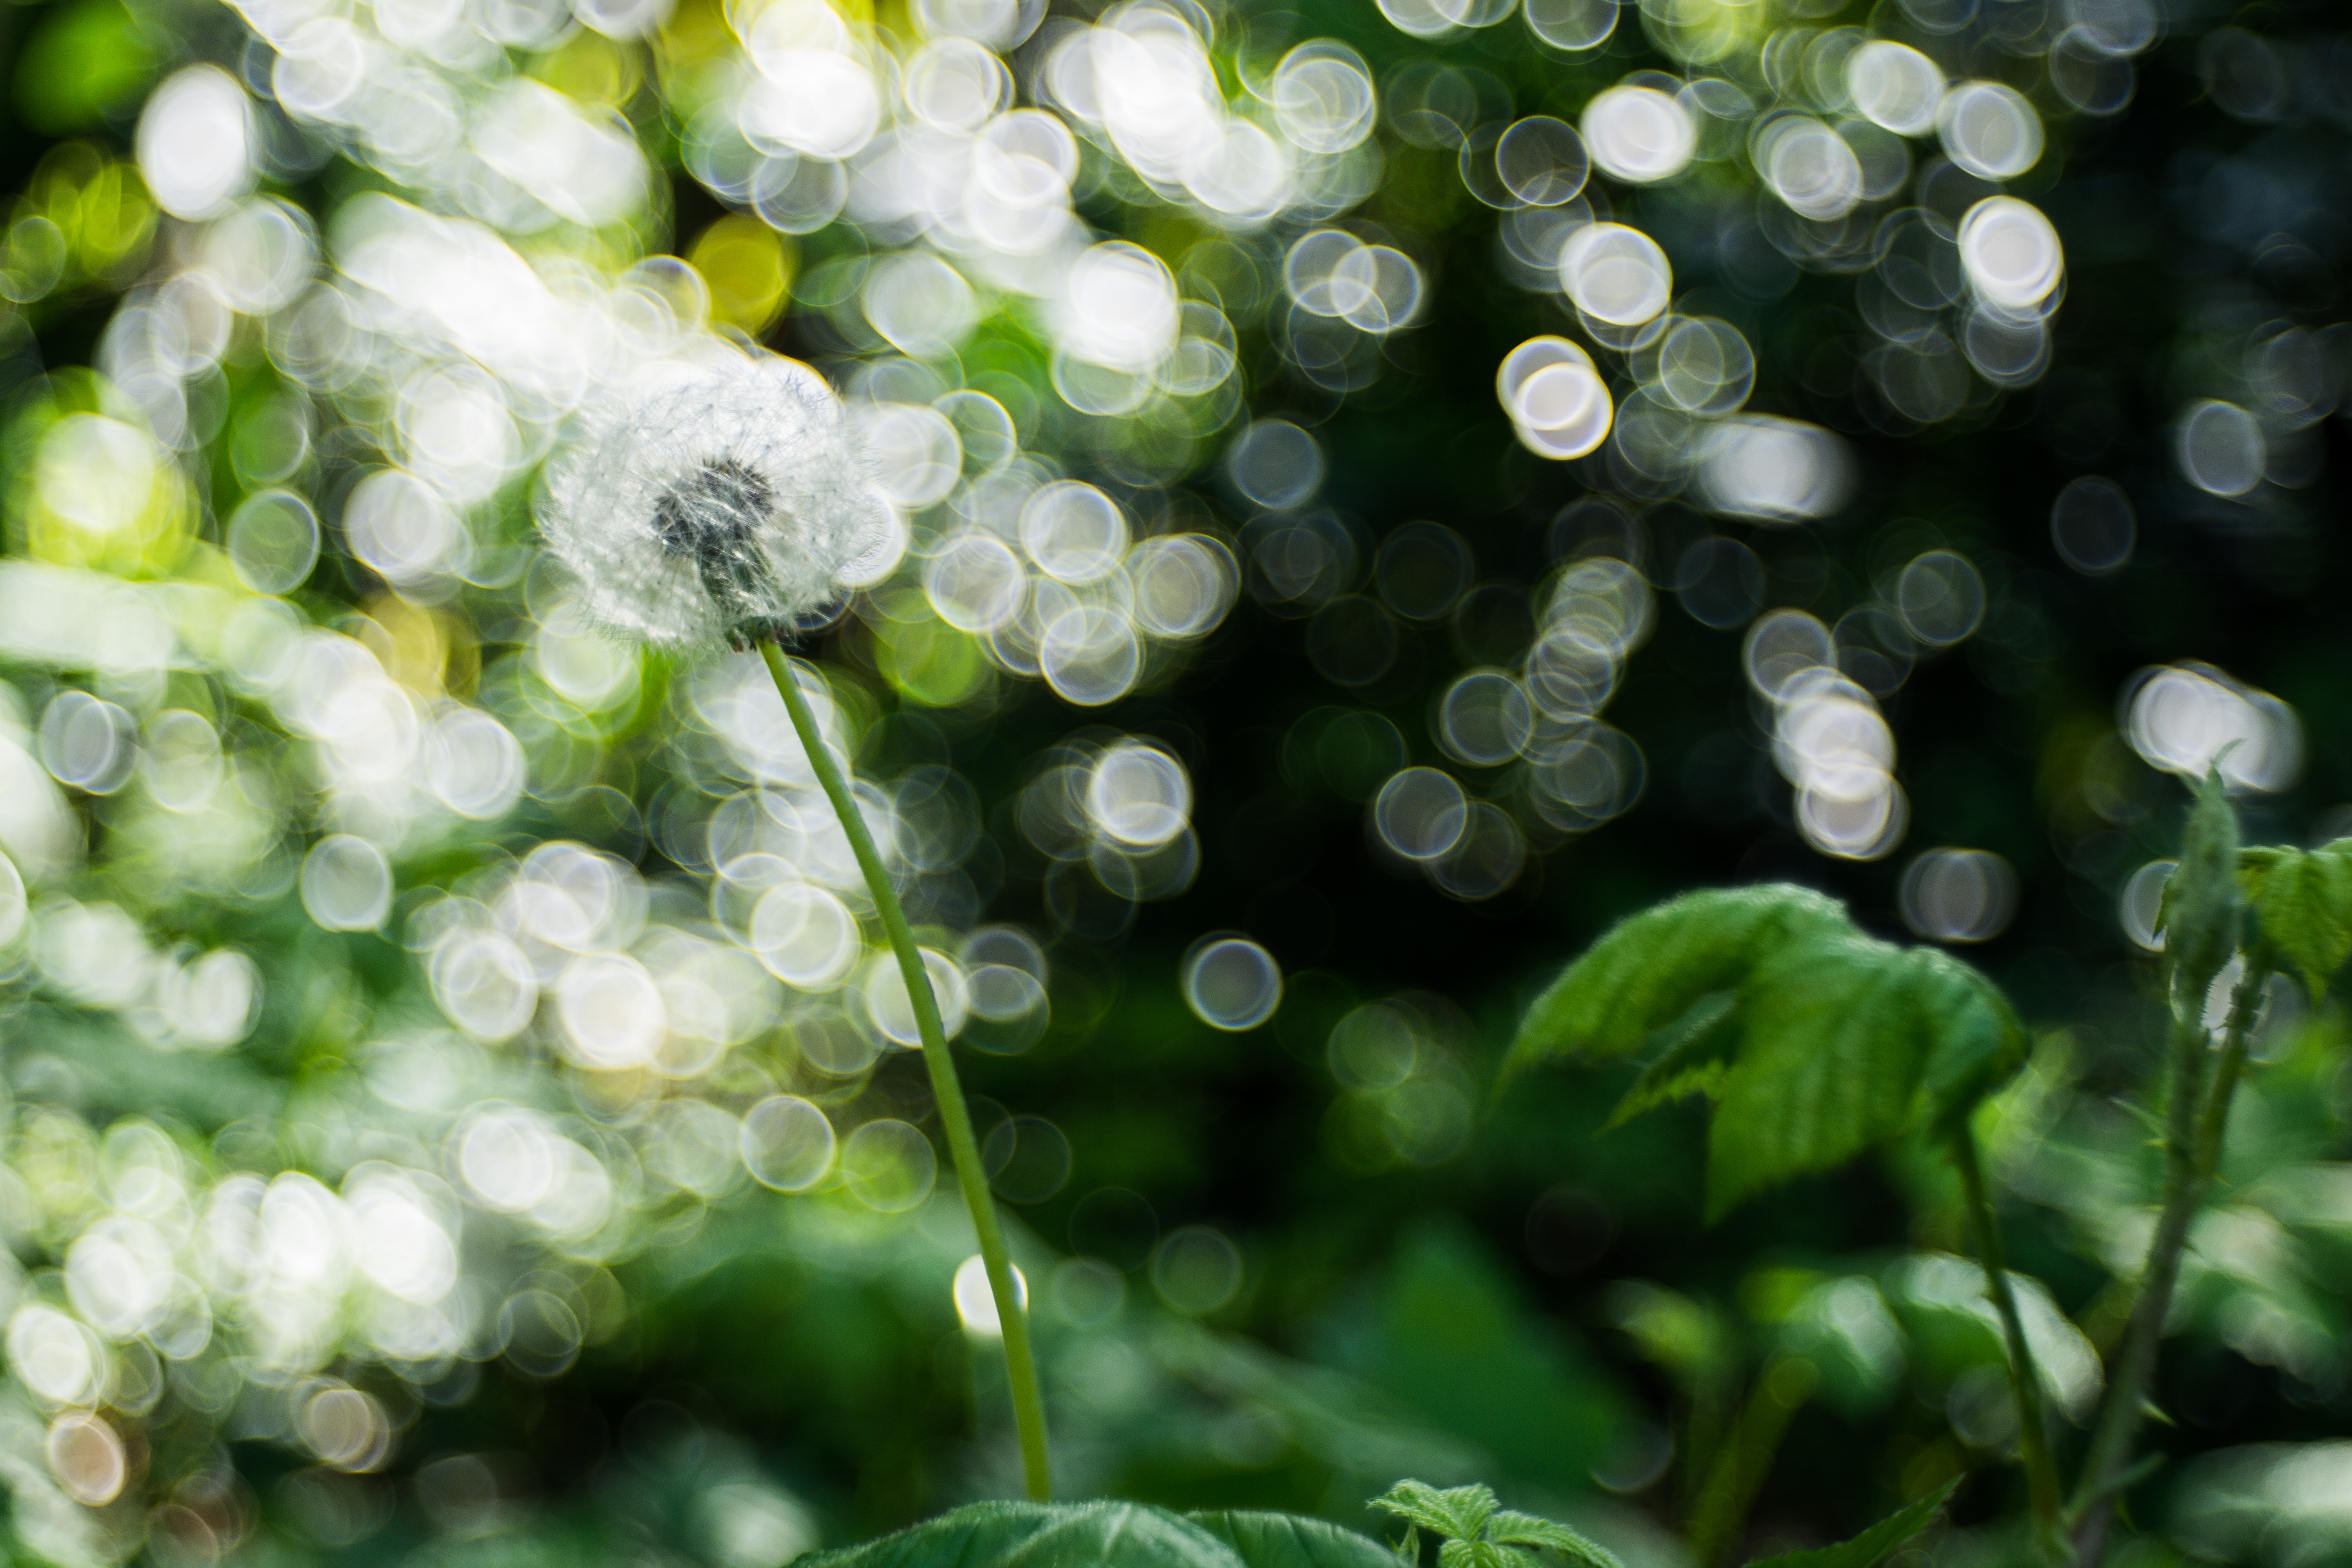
[[1393, 1270]]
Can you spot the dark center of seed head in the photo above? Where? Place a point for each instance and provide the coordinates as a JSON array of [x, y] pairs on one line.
[[712, 518], [712, 512]]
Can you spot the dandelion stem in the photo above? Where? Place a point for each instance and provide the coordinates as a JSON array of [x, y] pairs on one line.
[[1028, 1406]]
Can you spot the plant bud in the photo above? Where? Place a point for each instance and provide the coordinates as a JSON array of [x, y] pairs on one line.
[[2202, 905]]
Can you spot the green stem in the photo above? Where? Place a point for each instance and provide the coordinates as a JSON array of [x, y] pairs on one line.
[[964, 1150], [1738, 1472], [2192, 1145], [2033, 1433], [2246, 1010], [1712, 1394]]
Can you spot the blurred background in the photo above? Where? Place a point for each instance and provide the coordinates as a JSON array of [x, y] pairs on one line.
[[1382, 492]]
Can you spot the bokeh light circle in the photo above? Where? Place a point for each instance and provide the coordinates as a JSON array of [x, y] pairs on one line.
[[1957, 895], [1639, 134], [1231, 983], [788, 1143]]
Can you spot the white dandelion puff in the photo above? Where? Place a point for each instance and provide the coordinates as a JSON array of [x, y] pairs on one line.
[[713, 503]]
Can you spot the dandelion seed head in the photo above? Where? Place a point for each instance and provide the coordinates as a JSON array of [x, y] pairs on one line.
[[713, 503]]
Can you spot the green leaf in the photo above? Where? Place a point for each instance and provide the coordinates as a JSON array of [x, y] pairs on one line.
[[1816, 1041], [1042, 1535], [1458, 1513], [1872, 1544], [1649, 969], [1527, 1530], [1825, 1072], [1697, 1057], [1846, 1044], [2303, 900], [1483, 1537], [1452, 1336], [1479, 1554], [1975, 1041], [1286, 1540]]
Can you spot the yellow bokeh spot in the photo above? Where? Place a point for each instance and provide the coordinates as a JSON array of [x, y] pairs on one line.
[[91, 488], [748, 267], [690, 55], [429, 651], [99, 206], [96, 474], [1700, 32], [927, 660], [591, 68]]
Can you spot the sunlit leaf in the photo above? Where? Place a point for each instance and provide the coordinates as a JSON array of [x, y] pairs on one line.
[[1872, 1544], [1840, 1039], [1649, 969], [1478, 1554], [1286, 1540], [1484, 1537], [1817, 1041], [1527, 1530], [2303, 900], [1043, 1536], [1458, 1513]]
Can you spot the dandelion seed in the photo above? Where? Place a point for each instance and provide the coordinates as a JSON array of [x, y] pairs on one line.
[[713, 503]]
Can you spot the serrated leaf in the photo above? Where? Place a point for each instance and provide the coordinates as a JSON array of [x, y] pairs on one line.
[[1528, 1529], [1976, 1041], [1816, 1040], [1697, 1057], [1458, 1513], [2303, 900], [1867, 1550], [1480, 1555], [1042, 1535], [1843, 1046], [1287, 1541], [2254, 864], [1648, 968], [1829, 1061]]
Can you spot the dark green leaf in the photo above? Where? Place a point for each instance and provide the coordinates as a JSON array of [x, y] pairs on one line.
[[1872, 1544], [1286, 1540], [1975, 1040], [1453, 1337], [1458, 1513], [1649, 969], [1527, 1530], [1042, 1535], [2304, 901]]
